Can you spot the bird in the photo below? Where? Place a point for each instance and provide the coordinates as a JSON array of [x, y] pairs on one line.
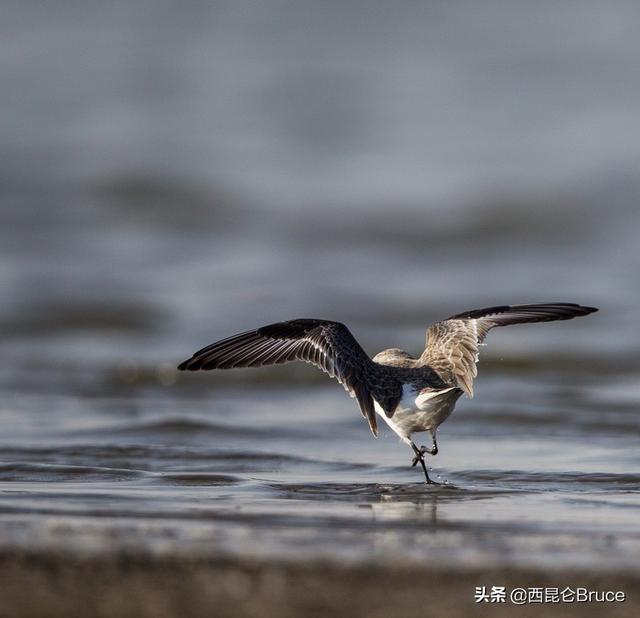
[[410, 394]]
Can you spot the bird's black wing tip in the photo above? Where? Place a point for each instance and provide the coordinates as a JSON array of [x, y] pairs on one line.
[[581, 310], [186, 365], [566, 310]]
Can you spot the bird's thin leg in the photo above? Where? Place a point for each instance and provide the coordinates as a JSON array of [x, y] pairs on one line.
[[420, 458], [434, 443]]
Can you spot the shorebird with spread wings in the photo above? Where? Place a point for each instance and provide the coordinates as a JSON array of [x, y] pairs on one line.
[[410, 394]]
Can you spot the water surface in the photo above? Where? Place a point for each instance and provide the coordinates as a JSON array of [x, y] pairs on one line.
[[279, 472]]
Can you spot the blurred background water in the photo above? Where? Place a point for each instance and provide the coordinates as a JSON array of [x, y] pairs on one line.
[[175, 172]]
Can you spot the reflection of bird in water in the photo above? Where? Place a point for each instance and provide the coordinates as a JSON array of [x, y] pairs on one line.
[[410, 394], [414, 505]]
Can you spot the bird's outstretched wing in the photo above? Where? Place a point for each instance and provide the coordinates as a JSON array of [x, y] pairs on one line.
[[327, 345], [452, 344]]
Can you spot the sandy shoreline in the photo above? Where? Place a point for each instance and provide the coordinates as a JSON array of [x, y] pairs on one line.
[[128, 586]]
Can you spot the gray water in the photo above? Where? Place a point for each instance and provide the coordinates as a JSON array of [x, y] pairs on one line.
[[173, 173]]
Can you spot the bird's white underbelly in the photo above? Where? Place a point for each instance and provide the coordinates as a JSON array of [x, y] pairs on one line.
[[420, 412]]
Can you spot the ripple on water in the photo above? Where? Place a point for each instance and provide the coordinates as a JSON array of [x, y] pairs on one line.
[[523, 480], [41, 472], [174, 427], [359, 492], [198, 479]]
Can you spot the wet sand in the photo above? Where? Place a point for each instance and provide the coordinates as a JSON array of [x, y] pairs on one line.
[[141, 586]]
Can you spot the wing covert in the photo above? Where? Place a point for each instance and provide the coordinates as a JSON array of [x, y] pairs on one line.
[[453, 344]]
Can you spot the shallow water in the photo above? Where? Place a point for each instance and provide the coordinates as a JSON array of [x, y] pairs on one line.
[[209, 169], [294, 473]]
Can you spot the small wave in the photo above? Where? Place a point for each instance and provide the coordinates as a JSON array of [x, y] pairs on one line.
[[198, 478], [149, 457], [39, 472], [173, 427], [367, 491], [555, 480]]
